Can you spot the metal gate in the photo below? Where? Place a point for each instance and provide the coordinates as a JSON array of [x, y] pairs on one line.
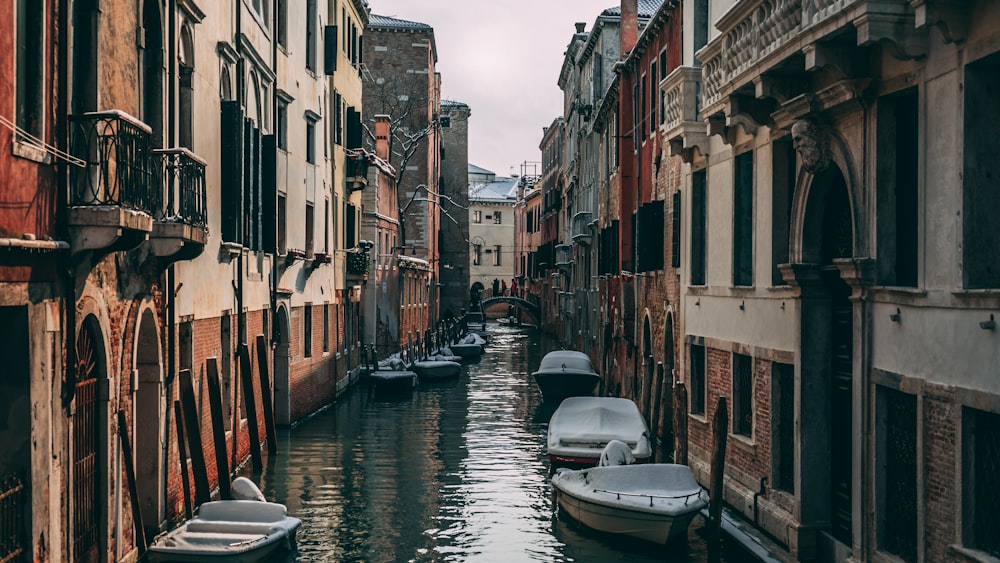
[[85, 431]]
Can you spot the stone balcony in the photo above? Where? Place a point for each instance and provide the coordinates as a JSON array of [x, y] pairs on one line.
[[683, 128], [581, 228], [115, 194], [766, 48], [180, 227]]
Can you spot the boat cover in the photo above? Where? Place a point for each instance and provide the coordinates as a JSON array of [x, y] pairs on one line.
[[566, 361], [616, 453], [387, 375], [582, 427], [656, 488], [229, 527]]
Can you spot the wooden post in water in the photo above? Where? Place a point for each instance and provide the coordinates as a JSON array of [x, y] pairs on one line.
[[182, 453], [647, 389], [250, 400], [202, 492], [133, 491], [720, 430], [680, 423], [218, 427], [265, 392]]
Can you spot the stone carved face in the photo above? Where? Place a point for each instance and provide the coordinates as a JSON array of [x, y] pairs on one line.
[[811, 142]]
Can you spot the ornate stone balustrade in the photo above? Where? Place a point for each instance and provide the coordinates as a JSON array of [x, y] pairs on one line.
[[683, 128]]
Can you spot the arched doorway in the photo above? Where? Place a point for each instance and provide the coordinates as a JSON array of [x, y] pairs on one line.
[[826, 406], [665, 393], [89, 444], [648, 371], [282, 394], [149, 407]]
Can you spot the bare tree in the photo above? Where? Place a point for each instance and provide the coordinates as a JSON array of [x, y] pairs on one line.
[[410, 120]]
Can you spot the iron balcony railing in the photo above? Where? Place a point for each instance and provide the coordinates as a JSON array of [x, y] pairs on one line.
[[120, 169], [183, 196]]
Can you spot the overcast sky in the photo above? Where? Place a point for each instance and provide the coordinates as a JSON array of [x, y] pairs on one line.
[[502, 58]]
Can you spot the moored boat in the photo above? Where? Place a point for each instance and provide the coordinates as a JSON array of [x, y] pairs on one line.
[[392, 380], [581, 427], [654, 502], [229, 531], [434, 370], [565, 373]]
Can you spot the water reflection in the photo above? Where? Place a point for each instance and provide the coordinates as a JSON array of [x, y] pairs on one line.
[[454, 472]]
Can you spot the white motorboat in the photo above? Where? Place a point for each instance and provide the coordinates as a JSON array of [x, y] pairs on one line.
[[434, 370], [654, 501], [229, 531], [565, 373], [582, 426]]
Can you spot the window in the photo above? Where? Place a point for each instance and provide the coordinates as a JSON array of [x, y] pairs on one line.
[[282, 225], [326, 226], [496, 218], [445, 122], [477, 216], [783, 426], [743, 395], [782, 188], [654, 88], [311, 142], [310, 229], [980, 264], [897, 181], [282, 125], [282, 25], [697, 361], [699, 226], [643, 108], [326, 327], [981, 480], [896, 443], [311, 35], [743, 219], [30, 66], [477, 254], [675, 220], [650, 240], [307, 330], [496, 256]]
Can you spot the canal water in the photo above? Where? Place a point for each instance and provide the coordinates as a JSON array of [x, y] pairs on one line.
[[455, 472]]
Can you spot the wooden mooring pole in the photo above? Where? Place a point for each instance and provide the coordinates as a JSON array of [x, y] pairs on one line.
[[250, 400], [182, 453], [720, 430], [218, 427], [133, 491], [202, 492], [265, 392]]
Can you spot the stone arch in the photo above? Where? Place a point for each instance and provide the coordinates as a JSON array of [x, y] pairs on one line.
[[253, 99], [148, 426], [226, 83], [281, 384], [808, 204]]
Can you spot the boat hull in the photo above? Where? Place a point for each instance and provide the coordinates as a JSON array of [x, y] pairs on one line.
[[650, 527], [559, 385], [467, 351], [393, 381], [654, 502], [437, 370]]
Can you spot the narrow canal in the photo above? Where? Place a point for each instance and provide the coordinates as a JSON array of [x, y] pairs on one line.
[[455, 472]]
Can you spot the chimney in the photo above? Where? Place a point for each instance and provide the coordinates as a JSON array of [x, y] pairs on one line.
[[581, 26], [382, 137], [629, 33]]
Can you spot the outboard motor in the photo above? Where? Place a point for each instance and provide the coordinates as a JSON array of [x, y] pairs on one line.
[[616, 453], [245, 489]]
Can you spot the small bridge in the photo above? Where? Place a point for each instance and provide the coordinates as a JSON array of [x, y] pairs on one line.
[[522, 304]]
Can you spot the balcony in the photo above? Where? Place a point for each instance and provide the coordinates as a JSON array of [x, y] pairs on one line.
[[180, 228], [356, 175], [683, 128], [582, 231], [766, 47], [114, 197], [357, 265]]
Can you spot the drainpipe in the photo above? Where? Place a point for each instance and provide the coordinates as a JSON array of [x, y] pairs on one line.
[[170, 291]]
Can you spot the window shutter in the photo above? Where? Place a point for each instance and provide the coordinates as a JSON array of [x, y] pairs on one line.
[[231, 164], [268, 193], [353, 128], [675, 241], [330, 49]]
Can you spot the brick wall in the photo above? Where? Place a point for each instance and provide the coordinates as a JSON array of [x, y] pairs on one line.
[[941, 485]]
